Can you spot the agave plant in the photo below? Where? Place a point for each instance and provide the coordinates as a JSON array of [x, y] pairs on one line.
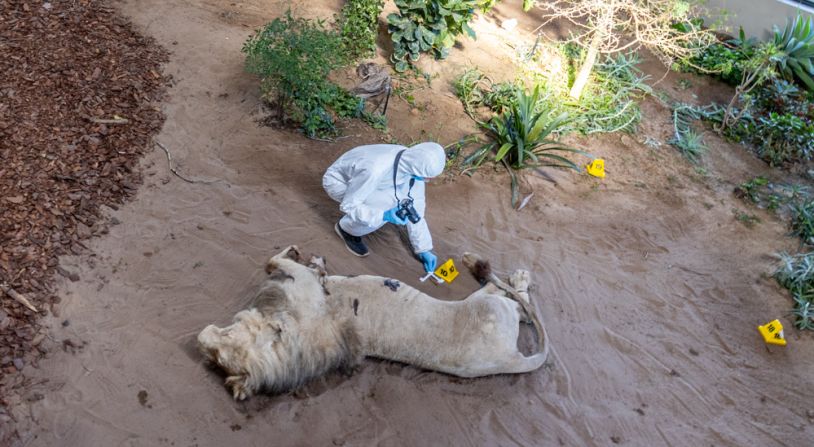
[[797, 44], [522, 136]]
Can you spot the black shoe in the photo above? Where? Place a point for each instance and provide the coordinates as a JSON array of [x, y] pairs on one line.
[[353, 243]]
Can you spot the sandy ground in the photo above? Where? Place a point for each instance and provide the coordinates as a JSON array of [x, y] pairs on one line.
[[650, 288]]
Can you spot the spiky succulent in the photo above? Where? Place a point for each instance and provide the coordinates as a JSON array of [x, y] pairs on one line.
[[797, 43]]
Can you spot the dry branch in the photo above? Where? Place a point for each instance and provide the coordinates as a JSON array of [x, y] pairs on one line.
[[17, 297], [110, 121]]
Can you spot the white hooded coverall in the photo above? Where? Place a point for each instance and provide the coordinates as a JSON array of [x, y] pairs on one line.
[[361, 180]]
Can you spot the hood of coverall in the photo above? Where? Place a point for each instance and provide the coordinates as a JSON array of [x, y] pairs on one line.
[[425, 160]]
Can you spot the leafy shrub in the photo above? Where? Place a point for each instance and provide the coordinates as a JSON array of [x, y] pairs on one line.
[[293, 57], [423, 26], [803, 223], [358, 24], [779, 123], [797, 43], [796, 273], [722, 60], [784, 137]]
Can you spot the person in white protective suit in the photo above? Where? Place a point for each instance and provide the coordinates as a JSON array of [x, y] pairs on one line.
[[371, 182]]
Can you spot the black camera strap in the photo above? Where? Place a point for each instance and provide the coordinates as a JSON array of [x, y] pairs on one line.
[[395, 174]]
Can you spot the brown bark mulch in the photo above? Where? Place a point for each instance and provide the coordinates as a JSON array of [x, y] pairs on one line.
[[65, 68]]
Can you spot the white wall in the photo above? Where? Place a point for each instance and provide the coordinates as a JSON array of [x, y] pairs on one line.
[[758, 16]]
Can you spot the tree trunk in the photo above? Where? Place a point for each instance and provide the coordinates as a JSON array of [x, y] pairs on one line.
[[587, 67]]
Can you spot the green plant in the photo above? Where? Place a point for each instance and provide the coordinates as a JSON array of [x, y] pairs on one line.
[[293, 58], [524, 136], [470, 87], [802, 225], [608, 104], [358, 24], [722, 60], [691, 144], [797, 43], [784, 137], [758, 69], [748, 220], [427, 26], [753, 188], [685, 138], [796, 273], [776, 121]]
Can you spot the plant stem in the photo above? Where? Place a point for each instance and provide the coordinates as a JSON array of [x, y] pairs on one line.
[[587, 67]]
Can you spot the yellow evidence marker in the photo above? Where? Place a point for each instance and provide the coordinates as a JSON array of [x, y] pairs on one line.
[[772, 333], [596, 168], [447, 271]]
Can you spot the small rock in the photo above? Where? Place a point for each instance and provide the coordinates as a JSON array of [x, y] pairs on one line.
[[142, 397], [18, 363], [694, 352], [414, 111], [616, 439], [66, 323], [15, 199]]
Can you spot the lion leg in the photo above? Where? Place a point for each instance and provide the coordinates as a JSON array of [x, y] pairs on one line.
[[239, 385]]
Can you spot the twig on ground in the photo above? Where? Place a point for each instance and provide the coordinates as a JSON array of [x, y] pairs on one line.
[[17, 297], [110, 121], [174, 171]]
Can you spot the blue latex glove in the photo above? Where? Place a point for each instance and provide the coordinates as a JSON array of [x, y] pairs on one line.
[[429, 259], [390, 216]]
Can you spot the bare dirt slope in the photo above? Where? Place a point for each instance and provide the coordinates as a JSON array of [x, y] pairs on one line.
[[650, 288]]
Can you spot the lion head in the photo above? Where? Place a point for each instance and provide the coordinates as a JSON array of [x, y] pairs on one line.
[[287, 336]]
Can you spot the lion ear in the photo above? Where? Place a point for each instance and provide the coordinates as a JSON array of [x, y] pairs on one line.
[[293, 253], [318, 264], [239, 385]]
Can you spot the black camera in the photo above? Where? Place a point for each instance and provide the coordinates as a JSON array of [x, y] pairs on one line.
[[407, 210]]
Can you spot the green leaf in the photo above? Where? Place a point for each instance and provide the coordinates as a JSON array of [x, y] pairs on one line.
[[503, 151], [469, 30]]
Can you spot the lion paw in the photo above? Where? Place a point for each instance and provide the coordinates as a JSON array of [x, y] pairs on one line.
[[520, 280], [239, 387]]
